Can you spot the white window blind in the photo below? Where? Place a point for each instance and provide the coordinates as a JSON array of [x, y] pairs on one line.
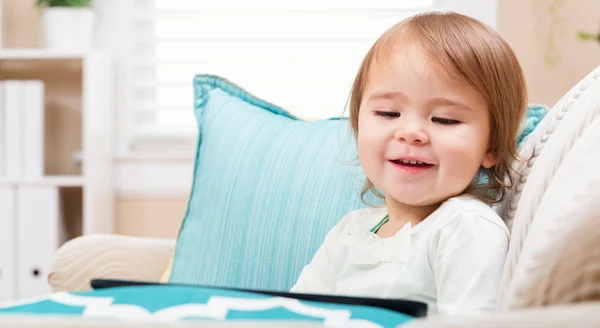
[[300, 55]]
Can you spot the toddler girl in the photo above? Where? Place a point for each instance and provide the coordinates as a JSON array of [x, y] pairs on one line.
[[436, 109]]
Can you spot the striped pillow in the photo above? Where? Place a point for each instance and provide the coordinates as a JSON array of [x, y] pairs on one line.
[[267, 187]]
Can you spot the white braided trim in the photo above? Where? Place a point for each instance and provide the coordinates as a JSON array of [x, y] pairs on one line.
[[537, 140], [547, 145], [560, 261]]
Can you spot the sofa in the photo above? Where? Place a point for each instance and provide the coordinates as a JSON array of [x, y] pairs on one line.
[[552, 272]]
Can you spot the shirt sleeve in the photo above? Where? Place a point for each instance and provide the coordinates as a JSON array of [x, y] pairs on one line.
[[468, 264], [315, 277]]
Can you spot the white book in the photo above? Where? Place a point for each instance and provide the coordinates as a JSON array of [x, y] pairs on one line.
[[7, 244], [39, 232], [13, 106], [32, 155], [2, 132]]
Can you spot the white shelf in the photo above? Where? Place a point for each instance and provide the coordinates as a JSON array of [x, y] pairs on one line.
[[67, 196], [38, 53], [57, 181], [85, 100]]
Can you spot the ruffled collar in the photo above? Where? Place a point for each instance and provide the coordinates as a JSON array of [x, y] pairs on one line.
[[367, 247]]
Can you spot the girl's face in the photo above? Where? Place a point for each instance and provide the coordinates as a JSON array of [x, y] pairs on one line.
[[421, 139]]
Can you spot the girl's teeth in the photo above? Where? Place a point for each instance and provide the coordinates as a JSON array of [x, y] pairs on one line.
[[405, 161]]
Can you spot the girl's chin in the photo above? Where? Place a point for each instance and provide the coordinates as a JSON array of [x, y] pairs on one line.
[[408, 198], [414, 198]]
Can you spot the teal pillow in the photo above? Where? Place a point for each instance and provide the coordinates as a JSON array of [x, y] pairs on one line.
[[533, 116], [267, 187]]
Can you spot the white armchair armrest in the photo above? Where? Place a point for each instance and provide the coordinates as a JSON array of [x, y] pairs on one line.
[[109, 256]]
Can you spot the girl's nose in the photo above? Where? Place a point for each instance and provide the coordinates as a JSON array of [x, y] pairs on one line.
[[411, 132]]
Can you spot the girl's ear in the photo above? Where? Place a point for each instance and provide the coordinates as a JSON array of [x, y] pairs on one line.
[[489, 160]]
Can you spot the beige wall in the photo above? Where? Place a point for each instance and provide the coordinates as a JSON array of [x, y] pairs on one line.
[[526, 25], [150, 217]]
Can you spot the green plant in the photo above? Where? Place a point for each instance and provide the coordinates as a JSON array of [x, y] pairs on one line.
[[549, 28], [553, 54], [65, 3], [589, 36]]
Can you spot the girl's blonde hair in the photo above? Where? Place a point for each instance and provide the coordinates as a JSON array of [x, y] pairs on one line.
[[465, 49]]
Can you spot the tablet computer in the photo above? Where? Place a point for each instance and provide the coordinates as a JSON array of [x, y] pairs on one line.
[[408, 307]]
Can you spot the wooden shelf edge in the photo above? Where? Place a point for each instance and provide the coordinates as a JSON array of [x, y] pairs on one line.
[[57, 181], [41, 54]]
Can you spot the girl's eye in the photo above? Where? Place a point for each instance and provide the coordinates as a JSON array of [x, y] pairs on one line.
[[444, 121], [387, 114]]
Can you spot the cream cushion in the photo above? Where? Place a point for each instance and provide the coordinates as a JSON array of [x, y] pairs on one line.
[[560, 258], [539, 193]]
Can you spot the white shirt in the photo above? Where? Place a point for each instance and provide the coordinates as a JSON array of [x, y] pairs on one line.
[[452, 260]]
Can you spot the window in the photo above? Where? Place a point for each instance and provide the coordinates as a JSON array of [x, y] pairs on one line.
[[301, 55]]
